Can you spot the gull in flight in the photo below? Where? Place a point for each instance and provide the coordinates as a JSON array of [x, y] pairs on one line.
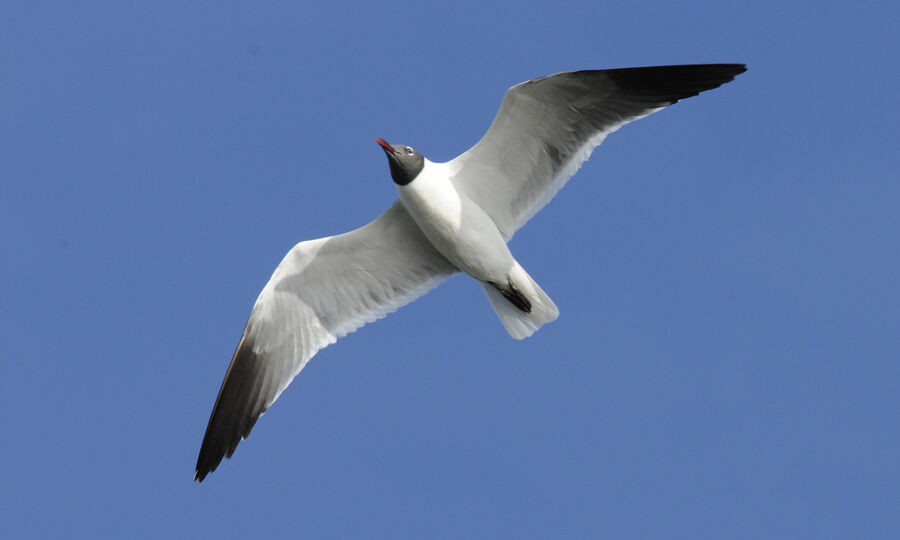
[[450, 217]]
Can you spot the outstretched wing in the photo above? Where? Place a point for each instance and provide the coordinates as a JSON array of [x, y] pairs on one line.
[[546, 128], [322, 290]]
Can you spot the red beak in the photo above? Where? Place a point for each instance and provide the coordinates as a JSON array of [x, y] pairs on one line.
[[384, 144]]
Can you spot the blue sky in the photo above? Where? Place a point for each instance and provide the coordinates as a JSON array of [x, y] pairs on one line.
[[726, 360]]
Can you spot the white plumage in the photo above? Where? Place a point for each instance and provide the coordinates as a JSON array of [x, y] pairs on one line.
[[450, 217]]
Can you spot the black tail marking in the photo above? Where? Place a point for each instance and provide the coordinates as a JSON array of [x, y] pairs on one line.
[[512, 294]]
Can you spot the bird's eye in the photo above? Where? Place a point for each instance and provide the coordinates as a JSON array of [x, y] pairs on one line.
[[409, 151]]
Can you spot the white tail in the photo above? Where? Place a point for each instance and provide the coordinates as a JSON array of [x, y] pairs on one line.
[[521, 324]]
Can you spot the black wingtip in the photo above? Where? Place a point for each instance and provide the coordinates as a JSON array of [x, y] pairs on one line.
[[664, 85], [238, 406]]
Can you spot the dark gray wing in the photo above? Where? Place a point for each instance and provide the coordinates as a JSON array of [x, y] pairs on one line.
[[322, 290], [546, 128]]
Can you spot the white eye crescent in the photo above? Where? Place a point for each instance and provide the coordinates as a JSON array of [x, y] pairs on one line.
[[409, 151]]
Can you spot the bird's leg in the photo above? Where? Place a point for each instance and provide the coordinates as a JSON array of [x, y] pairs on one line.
[[514, 296]]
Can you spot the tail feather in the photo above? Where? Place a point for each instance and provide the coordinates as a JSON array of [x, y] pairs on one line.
[[518, 321]]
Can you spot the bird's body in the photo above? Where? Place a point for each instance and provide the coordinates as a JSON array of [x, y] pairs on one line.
[[450, 217], [455, 225], [437, 207], [466, 236]]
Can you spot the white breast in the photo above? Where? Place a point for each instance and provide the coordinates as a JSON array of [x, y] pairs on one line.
[[457, 227], [433, 201]]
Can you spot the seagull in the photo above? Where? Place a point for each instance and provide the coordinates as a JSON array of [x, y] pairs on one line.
[[450, 217]]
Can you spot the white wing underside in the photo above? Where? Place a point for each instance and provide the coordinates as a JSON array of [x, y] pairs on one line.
[[327, 288], [546, 128], [322, 290], [532, 196]]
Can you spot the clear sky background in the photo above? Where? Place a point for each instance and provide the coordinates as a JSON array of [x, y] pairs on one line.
[[727, 359]]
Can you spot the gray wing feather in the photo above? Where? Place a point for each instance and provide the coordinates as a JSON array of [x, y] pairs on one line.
[[546, 128], [322, 290]]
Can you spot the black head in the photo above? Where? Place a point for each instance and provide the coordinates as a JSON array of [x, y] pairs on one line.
[[405, 162]]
